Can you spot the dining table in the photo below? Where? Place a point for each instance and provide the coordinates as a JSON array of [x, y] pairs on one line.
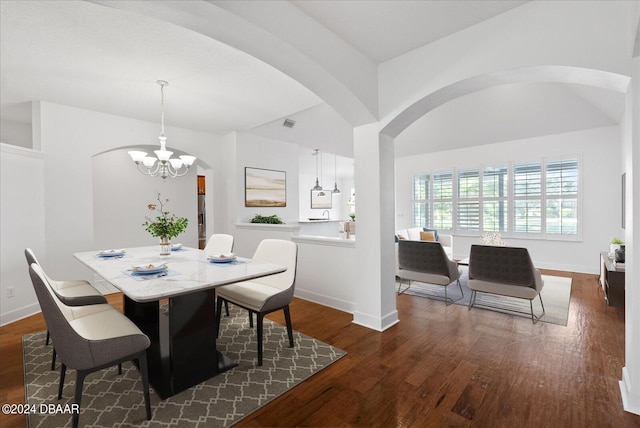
[[172, 300]]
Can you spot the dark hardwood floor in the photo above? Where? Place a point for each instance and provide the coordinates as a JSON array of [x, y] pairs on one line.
[[440, 366]]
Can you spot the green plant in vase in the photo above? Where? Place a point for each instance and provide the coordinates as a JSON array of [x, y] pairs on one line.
[[165, 225]]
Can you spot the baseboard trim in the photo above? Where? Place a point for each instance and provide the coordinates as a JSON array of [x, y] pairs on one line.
[[321, 299], [630, 400], [18, 314]]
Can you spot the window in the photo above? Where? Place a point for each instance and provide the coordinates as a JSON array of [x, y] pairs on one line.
[[443, 200], [562, 197], [536, 199], [421, 205], [527, 196], [495, 185], [468, 207]]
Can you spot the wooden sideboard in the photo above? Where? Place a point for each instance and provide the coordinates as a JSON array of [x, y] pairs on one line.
[[611, 281]]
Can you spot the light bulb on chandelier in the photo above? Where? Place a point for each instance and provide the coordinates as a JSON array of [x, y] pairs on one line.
[[166, 166]]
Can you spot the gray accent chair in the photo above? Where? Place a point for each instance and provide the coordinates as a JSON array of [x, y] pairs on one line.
[[507, 271], [75, 292], [426, 261], [91, 342], [266, 294]]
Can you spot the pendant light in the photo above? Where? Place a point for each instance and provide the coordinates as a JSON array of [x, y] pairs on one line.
[[335, 190], [317, 187]]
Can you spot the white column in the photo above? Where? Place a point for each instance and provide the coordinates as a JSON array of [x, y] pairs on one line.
[[630, 383], [375, 305]]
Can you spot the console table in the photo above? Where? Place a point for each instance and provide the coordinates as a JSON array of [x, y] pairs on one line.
[[611, 281]]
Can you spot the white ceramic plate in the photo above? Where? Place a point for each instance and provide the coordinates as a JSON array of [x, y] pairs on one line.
[[111, 253], [149, 268]]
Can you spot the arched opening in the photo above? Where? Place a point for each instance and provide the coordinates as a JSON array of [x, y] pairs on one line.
[[118, 183]]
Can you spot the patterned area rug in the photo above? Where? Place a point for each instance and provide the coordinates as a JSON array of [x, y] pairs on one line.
[[556, 295], [111, 400]]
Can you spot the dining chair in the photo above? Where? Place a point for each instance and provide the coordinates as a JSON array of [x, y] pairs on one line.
[[76, 292], [219, 243], [92, 342], [266, 294]]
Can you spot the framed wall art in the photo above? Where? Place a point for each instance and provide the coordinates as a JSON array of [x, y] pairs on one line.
[[321, 199], [265, 188]]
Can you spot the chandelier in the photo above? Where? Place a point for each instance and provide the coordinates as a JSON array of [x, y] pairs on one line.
[[166, 166]]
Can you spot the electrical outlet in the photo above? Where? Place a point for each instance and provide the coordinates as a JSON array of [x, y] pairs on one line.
[[10, 292]]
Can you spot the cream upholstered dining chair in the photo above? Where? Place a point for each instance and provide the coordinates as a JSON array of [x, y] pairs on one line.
[[76, 292], [266, 294], [219, 243], [91, 342]]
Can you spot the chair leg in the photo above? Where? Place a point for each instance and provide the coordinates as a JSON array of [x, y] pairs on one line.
[[460, 287], [46, 342], [81, 374], [120, 368], [400, 286], [287, 317], [226, 308], [142, 362], [260, 319], [472, 299], [250, 318], [63, 372], [219, 314], [53, 359]]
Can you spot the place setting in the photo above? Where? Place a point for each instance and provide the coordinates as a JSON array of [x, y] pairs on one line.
[[223, 259], [111, 254], [147, 271]]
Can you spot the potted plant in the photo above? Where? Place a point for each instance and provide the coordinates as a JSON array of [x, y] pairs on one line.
[[165, 225], [614, 245], [271, 219]]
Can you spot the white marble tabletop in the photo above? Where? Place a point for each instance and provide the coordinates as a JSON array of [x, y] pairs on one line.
[[189, 271]]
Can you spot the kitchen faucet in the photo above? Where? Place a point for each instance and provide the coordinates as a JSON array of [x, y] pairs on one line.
[[328, 215]]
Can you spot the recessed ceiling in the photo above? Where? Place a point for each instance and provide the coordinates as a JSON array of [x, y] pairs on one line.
[[385, 29], [99, 58], [508, 113], [106, 59]]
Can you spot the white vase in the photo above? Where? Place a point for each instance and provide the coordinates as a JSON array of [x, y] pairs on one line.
[[613, 248]]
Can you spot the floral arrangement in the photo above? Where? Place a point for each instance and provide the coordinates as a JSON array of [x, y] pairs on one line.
[[493, 238], [165, 225]]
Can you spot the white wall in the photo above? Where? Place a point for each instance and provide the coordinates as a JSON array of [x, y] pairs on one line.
[[307, 177], [258, 152], [59, 221], [22, 226], [117, 184], [601, 189]]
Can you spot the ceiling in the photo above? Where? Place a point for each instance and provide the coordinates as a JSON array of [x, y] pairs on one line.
[[105, 59]]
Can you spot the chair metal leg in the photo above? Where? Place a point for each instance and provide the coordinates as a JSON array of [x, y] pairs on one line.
[[81, 374], [120, 368], [400, 285], [142, 362], [63, 372], [46, 342], [535, 319], [53, 359], [219, 314], [472, 299], [226, 308], [460, 287], [287, 317], [260, 319], [250, 318]]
